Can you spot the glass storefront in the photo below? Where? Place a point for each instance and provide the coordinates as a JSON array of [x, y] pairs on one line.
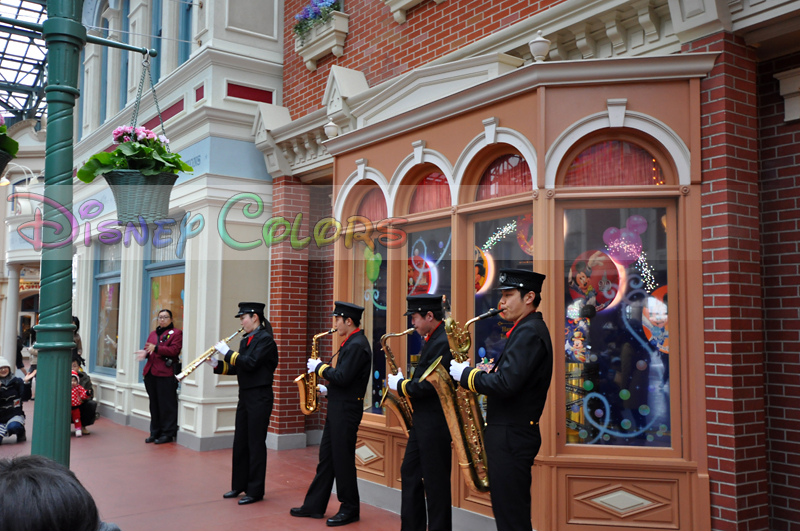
[[616, 327]]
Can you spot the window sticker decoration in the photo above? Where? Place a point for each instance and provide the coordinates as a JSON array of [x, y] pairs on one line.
[[525, 233]]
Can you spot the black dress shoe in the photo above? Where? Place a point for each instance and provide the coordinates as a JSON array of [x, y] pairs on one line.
[[165, 439], [231, 494], [250, 499], [302, 513], [21, 438], [342, 519], [151, 439]]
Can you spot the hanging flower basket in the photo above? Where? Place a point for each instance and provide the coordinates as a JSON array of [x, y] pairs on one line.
[[8, 146], [140, 195], [140, 172]]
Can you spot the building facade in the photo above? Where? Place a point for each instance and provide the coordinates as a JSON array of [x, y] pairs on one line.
[[647, 166]]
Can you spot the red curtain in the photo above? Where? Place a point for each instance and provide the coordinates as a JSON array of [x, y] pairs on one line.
[[614, 163], [373, 206], [431, 193], [507, 175]]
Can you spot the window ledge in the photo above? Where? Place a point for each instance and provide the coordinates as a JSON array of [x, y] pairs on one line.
[[790, 90], [323, 39]]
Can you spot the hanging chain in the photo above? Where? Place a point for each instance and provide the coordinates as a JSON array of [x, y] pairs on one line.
[[135, 117]]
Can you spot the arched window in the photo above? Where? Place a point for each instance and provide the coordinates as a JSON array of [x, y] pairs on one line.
[[431, 193], [373, 206], [614, 163], [508, 175]]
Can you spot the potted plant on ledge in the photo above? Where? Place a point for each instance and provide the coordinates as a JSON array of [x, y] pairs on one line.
[[140, 172], [320, 29], [8, 146]]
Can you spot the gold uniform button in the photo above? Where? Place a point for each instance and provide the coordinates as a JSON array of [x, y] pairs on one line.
[[531, 423]]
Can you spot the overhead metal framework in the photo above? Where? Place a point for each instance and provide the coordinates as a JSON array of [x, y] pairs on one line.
[[22, 61]]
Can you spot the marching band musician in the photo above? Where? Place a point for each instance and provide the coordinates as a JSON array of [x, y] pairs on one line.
[[254, 366], [425, 472], [516, 388], [347, 384]]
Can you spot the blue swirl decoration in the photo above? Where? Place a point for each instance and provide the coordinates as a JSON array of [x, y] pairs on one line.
[[373, 294]]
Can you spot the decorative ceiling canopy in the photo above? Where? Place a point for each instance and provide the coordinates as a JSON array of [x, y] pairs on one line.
[[23, 61]]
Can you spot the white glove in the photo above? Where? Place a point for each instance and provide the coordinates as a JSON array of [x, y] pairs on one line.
[[222, 348], [323, 391], [456, 369], [213, 362], [394, 379], [312, 365]]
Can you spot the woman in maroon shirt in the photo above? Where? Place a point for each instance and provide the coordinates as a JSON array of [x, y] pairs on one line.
[[162, 352]]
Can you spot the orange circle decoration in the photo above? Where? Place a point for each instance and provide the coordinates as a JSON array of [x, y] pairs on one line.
[[482, 261], [525, 233]]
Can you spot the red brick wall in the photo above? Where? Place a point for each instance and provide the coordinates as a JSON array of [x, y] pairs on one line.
[[383, 49], [288, 296], [779, 154], [734, 342], [320, 290]]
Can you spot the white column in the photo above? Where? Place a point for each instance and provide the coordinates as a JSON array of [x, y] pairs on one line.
[[12, 311]]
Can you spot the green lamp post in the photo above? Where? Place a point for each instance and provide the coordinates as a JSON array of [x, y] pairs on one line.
[[65, 37]]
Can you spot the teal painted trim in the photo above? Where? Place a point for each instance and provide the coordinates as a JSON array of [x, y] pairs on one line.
[[155, 30], [124, 55], [104, 76], [185, 33]]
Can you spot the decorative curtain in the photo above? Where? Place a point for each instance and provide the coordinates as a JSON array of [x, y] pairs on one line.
[[614, 163], [507, 175], [373, 206], [431, 193]]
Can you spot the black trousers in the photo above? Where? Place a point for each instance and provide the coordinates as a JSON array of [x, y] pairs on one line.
[[250, 440], [163, 393], [511, 450], [425, 474], [337, 459], [88, 411]]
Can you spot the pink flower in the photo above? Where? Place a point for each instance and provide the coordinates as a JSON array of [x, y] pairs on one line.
[[163, 139], [2, 120], [141, 133]]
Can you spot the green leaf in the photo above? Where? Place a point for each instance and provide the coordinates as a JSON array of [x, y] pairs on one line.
[[8, 144], [97, 165]]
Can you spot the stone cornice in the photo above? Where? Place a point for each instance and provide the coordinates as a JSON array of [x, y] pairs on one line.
[[524, 80]]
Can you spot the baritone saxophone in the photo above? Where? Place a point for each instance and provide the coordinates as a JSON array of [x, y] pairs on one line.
[[460, 405], [399, 405], [307, 382]]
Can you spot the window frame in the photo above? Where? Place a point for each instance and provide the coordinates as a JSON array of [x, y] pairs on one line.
[[101, 279], [677, 356]]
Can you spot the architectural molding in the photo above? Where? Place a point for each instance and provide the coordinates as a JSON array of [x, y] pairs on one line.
[[526, 79], [420, 155], [790, 90], [363, 172], [399, 8], [503, 135], [431, 83], [656, 129]]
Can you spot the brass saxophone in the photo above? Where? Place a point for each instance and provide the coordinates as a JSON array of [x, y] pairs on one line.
[[399, 405], [460, 405], [203, 357], [307, 382]]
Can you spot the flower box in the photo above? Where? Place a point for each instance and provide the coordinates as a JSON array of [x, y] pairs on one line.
[[323, 39]]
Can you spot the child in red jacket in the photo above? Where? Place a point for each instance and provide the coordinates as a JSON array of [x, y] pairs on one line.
[[78, 396]]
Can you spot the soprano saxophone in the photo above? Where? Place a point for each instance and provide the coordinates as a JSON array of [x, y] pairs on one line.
[[203, 357], [307, 382], [399, 405], [460, 405]]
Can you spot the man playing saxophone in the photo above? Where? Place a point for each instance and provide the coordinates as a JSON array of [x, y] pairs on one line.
[[347, 384], [516, 388], [254, 366], [425, 472]]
